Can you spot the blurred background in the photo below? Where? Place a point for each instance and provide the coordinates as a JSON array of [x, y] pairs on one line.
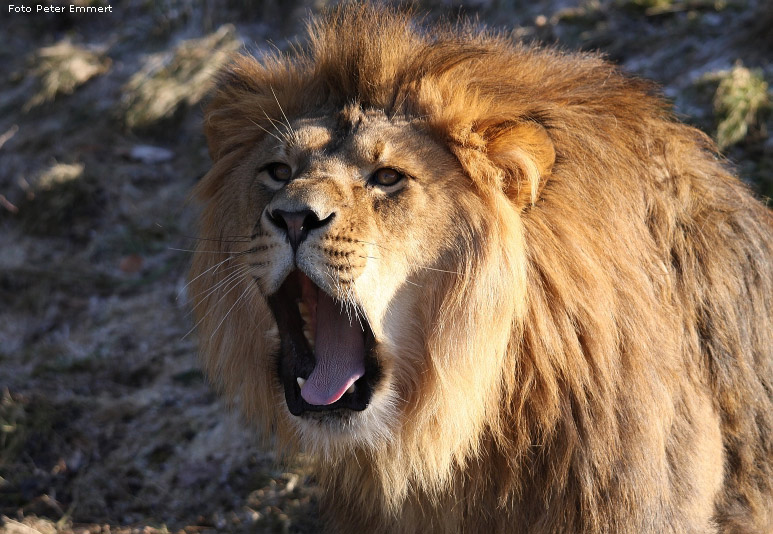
[[106, 422]]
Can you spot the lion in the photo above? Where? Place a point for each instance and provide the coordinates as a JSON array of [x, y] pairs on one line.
[[487, 286]]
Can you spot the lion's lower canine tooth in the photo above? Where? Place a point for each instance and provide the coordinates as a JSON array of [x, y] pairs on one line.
[[351, 389], [300, 381]]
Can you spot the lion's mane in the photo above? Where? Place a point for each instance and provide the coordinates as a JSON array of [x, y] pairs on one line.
[[602, 361]]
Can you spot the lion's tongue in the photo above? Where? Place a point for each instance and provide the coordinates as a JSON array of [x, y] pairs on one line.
[[339, 348]]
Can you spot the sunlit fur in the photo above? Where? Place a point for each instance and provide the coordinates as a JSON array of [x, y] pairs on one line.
[[588, 349]]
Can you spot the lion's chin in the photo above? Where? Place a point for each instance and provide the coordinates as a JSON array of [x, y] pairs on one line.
[[327, 358]]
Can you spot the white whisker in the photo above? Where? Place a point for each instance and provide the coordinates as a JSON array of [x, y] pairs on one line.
[[438, 270], [262, 128], [214, 306], [283, 111], [203, 273], [201, 297], [229, 311]]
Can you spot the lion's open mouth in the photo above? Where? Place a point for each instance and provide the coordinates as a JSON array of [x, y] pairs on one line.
[[326, 360]]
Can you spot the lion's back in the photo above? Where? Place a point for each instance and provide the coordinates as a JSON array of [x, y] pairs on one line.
[[723, 267], [714, 243]]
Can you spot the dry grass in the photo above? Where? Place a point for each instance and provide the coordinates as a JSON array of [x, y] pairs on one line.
[[62, 68], [181, 77]]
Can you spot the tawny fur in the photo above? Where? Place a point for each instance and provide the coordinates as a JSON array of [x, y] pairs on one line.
[[594, 350]]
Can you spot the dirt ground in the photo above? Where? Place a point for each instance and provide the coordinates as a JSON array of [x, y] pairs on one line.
[[106, 422]]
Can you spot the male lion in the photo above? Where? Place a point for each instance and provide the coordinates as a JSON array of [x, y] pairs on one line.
[[491, 287]]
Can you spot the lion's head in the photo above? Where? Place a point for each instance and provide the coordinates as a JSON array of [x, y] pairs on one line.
[[362, 271]]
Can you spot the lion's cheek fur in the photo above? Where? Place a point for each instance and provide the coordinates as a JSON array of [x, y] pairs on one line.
[[453, 368]]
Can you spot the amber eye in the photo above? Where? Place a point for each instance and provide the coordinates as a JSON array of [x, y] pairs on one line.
[[279, 171], [386, 177]]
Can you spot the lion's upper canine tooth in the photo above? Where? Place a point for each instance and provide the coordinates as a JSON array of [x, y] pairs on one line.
[[308, 333], [308, 328], [351, 389], [300, 381], [304, 311]]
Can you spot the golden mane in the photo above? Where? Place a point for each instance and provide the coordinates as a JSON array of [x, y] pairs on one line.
[[609, 315]]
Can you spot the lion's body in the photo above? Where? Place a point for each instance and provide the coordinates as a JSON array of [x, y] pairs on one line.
[[592, 349]]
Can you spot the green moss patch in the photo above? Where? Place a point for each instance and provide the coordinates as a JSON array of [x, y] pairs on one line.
[[739, 104]]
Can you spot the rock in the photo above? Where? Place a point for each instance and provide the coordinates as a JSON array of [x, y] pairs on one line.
[[150, 154]]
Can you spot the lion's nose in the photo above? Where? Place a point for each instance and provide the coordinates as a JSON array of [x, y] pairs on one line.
[[297, 224]]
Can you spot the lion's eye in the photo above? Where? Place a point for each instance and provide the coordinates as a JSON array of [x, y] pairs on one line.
[[386, 177], [279, 171]]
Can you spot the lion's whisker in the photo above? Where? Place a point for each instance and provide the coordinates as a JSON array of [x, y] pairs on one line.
[[213, 269], [230, 284], [438, 270], [236, 271], [233, 254], [371, 243], [214, 306], [274, 122], [262, 128], [352, 297], [285, 135], [289, 126], [236, 238], [400, 105], [229, 311]]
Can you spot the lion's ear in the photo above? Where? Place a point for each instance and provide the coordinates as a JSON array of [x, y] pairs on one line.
[[525, 152]]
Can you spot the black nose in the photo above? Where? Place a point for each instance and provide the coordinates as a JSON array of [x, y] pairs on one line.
[[297, 224]]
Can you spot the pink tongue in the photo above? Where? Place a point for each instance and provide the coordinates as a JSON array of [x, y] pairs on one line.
[[339, 348]]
